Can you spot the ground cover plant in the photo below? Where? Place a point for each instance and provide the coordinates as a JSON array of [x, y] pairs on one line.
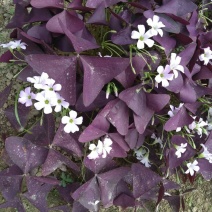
[[131, 83]]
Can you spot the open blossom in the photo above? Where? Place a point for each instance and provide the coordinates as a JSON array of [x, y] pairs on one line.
[[26, 97], [199, 127], [180, 149], [60, 102], [40, 82], [192, 167], [175, 64], [174, 110], [164, 75], [16, 44], [157, 140], [143, 156], [72, 122], [156, 25], [45, 101], [206, 56], [206, 154], [50, 86], [143, 37], [102, 149], [95, 150]]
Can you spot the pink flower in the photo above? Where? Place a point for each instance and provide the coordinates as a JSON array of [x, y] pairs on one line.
[[26, 96]]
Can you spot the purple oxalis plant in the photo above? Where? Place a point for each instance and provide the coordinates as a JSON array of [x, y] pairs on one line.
[[130, 83]]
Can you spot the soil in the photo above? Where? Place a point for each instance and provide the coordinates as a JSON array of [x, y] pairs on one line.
[[200, 200]]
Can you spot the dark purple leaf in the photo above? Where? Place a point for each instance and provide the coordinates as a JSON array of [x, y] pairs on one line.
[[168, 185], [61, 69], [179, 120], [10, 182], [192, 107], [99, 71], [87, 194], [134, 139], [204, 73], [23, 113], [144, 179], [124, 201], [47, 3], [55, 160], [119, 140], [100, 164], [66, 141], [19, 17], [160, 194], [77, 5], [99, 126], [6, 57], [173, 160], [205, 168], [108, 184], [177, 7], [40, 32], [174, 202], [36, 15], [79, 43], [157, 102], [66, 17], [119, 117], [98, 17], [26, 72], [14, 203], [141, 122], [78, 207], [37, 193], [24, 154], [176, 84], [142, 4], [4, 95], [96, 3], [135, 98]]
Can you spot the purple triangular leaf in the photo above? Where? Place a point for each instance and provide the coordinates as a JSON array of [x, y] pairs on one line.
[[108, 184], [23, 113], [205, 169], [15, 203], [119, 117], [87, 194], [119, 140], [176, 84], [179, 120], [6, 57], [135, 98], [98, 17], [61, 69], [66, 141], [53, 25], [99, 71], [55, 160], [177, 7], [24, 154], [124, 201], [37, 15], [4, 95], [143, 179], [96, 3], [47, 3]]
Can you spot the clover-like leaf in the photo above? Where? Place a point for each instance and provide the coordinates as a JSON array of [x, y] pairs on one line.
[[47, 3]]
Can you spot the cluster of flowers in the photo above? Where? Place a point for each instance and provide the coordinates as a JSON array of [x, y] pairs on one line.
[[47, 98]]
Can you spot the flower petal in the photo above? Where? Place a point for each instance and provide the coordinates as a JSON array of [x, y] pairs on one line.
[[73, 114], [135, 35], [65, 119]]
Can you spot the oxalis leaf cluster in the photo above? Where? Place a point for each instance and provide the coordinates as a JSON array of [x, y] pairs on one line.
[[130, 82]]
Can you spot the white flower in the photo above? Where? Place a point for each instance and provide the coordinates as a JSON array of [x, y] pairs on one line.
[[106, 147], [100, 55], [156, 25], [206, 56], [45, 101], [157, 140], [95, 150], [180, 149], [192, 167], [17, 44], [71, 122], [51, 86], [175, 64], [164, 75], [174, 110], [143, 156], [40, 82], [60, 102], [198, 127], [26, 96], [143, 38], [206, 154]]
